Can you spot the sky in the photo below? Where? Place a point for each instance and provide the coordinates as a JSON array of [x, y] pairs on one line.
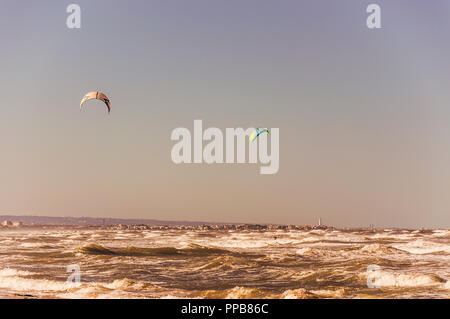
[[363, 114]]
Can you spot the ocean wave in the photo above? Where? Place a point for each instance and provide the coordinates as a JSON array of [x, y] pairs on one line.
[[191, 250], [310, 252], [328, 293], [18, 282], [10, 272], [421, 247], [240, 292], [96, 292], [117, 289], [21, 281], [224, 263], [379, 248], [441, 233], [30, 245], [237, 292], [300, 293], [396, 279], [446, 286]]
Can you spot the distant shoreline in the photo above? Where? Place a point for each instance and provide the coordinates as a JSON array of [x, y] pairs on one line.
[[10, 221], [30, 221], [213, 227]]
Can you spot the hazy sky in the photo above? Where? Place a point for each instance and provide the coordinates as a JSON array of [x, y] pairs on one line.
[[363, 114]]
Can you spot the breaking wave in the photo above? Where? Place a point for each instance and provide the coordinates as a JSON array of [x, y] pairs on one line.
[[191, 250], [395, 279]]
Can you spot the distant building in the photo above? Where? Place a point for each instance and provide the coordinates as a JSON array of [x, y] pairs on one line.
[[7, 223], [17, 224]]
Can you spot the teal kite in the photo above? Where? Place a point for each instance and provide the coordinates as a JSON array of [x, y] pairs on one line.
[[257, 133]]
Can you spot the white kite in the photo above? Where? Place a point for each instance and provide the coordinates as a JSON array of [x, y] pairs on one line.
[[98, 96]]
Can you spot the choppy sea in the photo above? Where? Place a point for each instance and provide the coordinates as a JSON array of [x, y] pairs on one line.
[[45, 263]]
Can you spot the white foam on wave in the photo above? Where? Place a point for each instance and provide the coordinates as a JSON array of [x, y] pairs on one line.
[[420, 247], [153, 234], [404, 236], [241, 244], [16, 280], [441, 233], [123, 283], [447, 285], [119, 288], [241, 292], [327, 293], [7, 241], [397, 279], [345, 238], [379, 249], [299, 293], [9, 272], [303, 251], [309, 239], [30, 245]]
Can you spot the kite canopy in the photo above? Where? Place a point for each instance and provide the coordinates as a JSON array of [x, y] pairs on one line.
[[257, 133], [98, 96]]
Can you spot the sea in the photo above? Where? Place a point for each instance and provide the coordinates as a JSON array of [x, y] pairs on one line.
[[83, 263]]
